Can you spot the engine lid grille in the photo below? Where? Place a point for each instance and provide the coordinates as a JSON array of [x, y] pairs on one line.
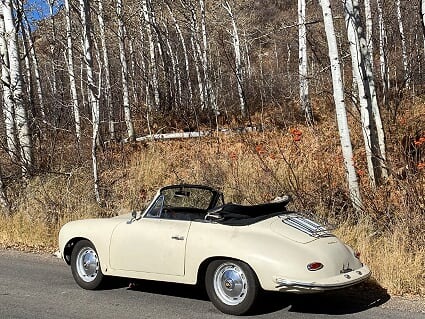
[[306, 225]]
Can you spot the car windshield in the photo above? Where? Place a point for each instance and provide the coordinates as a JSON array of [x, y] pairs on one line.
[[189, 197]]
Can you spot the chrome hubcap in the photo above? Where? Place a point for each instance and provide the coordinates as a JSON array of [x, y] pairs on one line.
[[230, 284], [87, 264]]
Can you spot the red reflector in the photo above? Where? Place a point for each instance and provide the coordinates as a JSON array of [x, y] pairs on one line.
[[314, 266]]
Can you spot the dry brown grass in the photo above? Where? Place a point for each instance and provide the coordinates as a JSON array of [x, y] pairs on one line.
[[43, 206], [248, 168]]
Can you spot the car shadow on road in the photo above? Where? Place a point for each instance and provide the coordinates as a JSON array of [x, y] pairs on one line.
[[168, 289], [337, 302]]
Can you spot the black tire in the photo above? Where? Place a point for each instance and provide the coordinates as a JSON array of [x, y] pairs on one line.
[[232, 286], [85, 266]]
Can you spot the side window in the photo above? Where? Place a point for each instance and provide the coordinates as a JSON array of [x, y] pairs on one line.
[[155, 210]]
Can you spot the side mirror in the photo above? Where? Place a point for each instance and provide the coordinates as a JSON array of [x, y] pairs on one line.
[[133, 217]]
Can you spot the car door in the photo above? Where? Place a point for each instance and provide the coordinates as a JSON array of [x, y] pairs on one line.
[[151, 245]]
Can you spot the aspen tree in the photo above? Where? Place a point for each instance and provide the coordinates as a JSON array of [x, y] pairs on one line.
[[8, 108], [92, 89], [153, 73], [23, 131], [52, 46], [302, 62], [383, 60], [34, 59], [197, 56], [238, 61], [124, 74], [145, 73], [106, 68], [403, 44], [339, 99], [175, 66], [27, 80], [369, 30], [210, 96], [3, 197], [132, 71], [185, 54], [71, 72], [422, 15], [369, 110]]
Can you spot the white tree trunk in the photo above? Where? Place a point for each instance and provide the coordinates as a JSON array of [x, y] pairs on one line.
[[247, 58], [82, 84], [53, 46], [152, 61], [28, 83], [174, 59], [302, 62], [4, 203], [21, 120], [200, 53], [71, 72], [186, 58], [403, 44], [92, 96], [423, 19], [379, 150], [145, 72], [359, 75], [105, 59], [159, 43], [363, 75], [383, 61], [369, 29], [132, 71], [338, 91], [288, 64], [210, 97], [35, 64], [8, 108], [197, 58], [124, 74], [238, 61]]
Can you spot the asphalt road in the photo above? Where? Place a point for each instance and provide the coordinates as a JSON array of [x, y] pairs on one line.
[[41, 286]]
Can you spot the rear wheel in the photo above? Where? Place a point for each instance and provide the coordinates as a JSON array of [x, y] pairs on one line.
[[232, 286], [85, 265]]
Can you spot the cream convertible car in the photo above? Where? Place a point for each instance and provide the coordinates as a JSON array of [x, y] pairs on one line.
[[188, 235]]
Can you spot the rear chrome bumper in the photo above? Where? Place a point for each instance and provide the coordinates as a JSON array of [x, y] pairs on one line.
[[337, 282]]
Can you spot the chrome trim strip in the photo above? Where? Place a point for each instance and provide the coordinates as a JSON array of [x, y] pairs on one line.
[[312, 285]]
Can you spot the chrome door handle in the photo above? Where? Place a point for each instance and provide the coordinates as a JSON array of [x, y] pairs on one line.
[[177, 237]]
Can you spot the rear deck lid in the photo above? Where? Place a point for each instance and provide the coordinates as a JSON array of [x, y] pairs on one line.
[[299, 228]]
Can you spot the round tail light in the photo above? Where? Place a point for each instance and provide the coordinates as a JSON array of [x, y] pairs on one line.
[[314, 266]]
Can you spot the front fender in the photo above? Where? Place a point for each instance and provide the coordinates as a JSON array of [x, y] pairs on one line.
[[98, 231]]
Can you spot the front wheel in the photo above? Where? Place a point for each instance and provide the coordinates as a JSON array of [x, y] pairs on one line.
[[85, 265], [232, 286]]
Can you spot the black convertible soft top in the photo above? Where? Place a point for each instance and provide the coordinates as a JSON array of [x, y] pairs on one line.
[[241, 215]]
